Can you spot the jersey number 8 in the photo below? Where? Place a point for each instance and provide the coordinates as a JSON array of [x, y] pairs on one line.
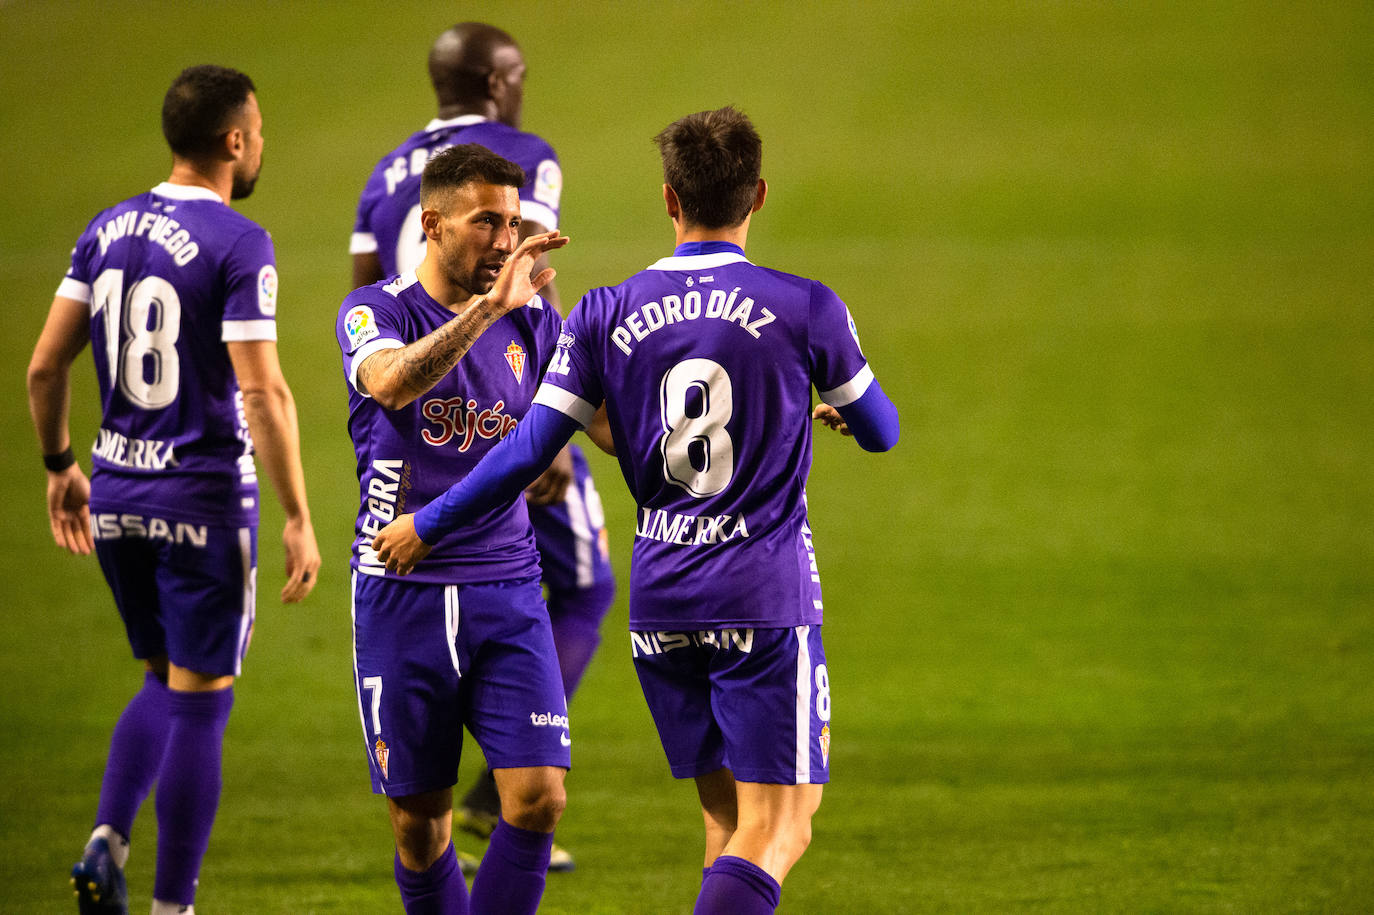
[[696, 401]]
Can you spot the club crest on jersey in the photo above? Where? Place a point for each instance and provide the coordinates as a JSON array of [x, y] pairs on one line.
[[515, 358], [825, 745], [267, 290], [360, 326], [383, 754]]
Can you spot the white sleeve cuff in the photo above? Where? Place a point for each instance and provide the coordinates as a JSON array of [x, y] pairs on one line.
[[530, 211], [362, 243], [74, 289], [367, 349], [566, 402], [244, 331], [851, 390]]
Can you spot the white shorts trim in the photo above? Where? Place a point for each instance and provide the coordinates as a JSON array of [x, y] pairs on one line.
[[803, 706]]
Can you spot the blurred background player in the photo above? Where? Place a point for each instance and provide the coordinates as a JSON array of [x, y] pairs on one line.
[[478, 73], [706, 364], [441, 363], [177, 295]]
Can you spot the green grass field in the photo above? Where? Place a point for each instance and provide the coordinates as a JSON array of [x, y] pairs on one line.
[[1100, 629]]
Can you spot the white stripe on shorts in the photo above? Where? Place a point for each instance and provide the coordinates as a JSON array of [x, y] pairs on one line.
[[451, 621], [582, 535], [803, 706], [250, 594], [357, 685]]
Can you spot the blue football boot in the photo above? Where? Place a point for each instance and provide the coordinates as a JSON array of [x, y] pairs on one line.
[[99, 882]]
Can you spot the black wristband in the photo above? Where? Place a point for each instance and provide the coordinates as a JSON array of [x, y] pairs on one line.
[[56, 463]]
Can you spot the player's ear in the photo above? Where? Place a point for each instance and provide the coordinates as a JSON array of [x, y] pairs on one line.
[[429, 222], [670, 201], [759, 196], [231, 143]]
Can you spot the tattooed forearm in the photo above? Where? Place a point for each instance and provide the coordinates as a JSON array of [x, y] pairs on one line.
[[395, 377]]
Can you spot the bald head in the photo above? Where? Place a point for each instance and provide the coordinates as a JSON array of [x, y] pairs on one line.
[[478, 69]]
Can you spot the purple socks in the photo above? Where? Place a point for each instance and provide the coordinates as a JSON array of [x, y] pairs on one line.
[[437, 891], [511, 878], [136, 750], [188, 789], [734, 886]]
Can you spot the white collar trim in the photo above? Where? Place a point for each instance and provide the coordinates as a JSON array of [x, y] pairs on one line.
[[463, 120], [401, 283], [186, 192], [698, 261]]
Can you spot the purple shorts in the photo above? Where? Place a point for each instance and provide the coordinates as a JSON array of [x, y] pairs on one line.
[[431, 659], [185, 590], [754, 701]]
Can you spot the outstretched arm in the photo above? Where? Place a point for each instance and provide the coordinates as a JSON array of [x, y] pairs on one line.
[[65, 334], [872, 419], [271, 413], [395, 377], [497, 478]]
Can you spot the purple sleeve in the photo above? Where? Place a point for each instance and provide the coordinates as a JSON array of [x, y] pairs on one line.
[[838, 367], [872, 419], [250, 289], [364, 326], [573, 370], [500, 476], [364, 238], [76, 284], [541, 197]]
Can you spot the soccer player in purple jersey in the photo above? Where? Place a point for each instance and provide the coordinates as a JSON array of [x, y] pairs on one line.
[[177, 295], [442, 362], [478, 74], [705, 363]]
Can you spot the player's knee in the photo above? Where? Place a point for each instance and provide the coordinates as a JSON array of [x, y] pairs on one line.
[[420, 824], [536, 807]]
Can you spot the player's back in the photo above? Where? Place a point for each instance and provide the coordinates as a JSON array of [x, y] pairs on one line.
[[388, 220], [707, 363], [171, 275]]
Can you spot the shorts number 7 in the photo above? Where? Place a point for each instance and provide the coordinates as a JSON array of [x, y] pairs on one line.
[[374, 685]]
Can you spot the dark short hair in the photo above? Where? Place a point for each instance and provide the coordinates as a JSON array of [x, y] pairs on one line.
[[465, 163], [711, 160], [200, 105]]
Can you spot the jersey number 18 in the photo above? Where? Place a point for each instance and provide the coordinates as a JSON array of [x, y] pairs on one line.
[[141, 331]]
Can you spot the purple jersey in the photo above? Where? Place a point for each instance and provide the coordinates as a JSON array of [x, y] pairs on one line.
[[170, 277], [706, 364], [389, 210], [409, 456]]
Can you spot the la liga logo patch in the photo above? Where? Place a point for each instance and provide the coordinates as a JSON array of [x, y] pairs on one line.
[[267, 290], [360, 325]]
